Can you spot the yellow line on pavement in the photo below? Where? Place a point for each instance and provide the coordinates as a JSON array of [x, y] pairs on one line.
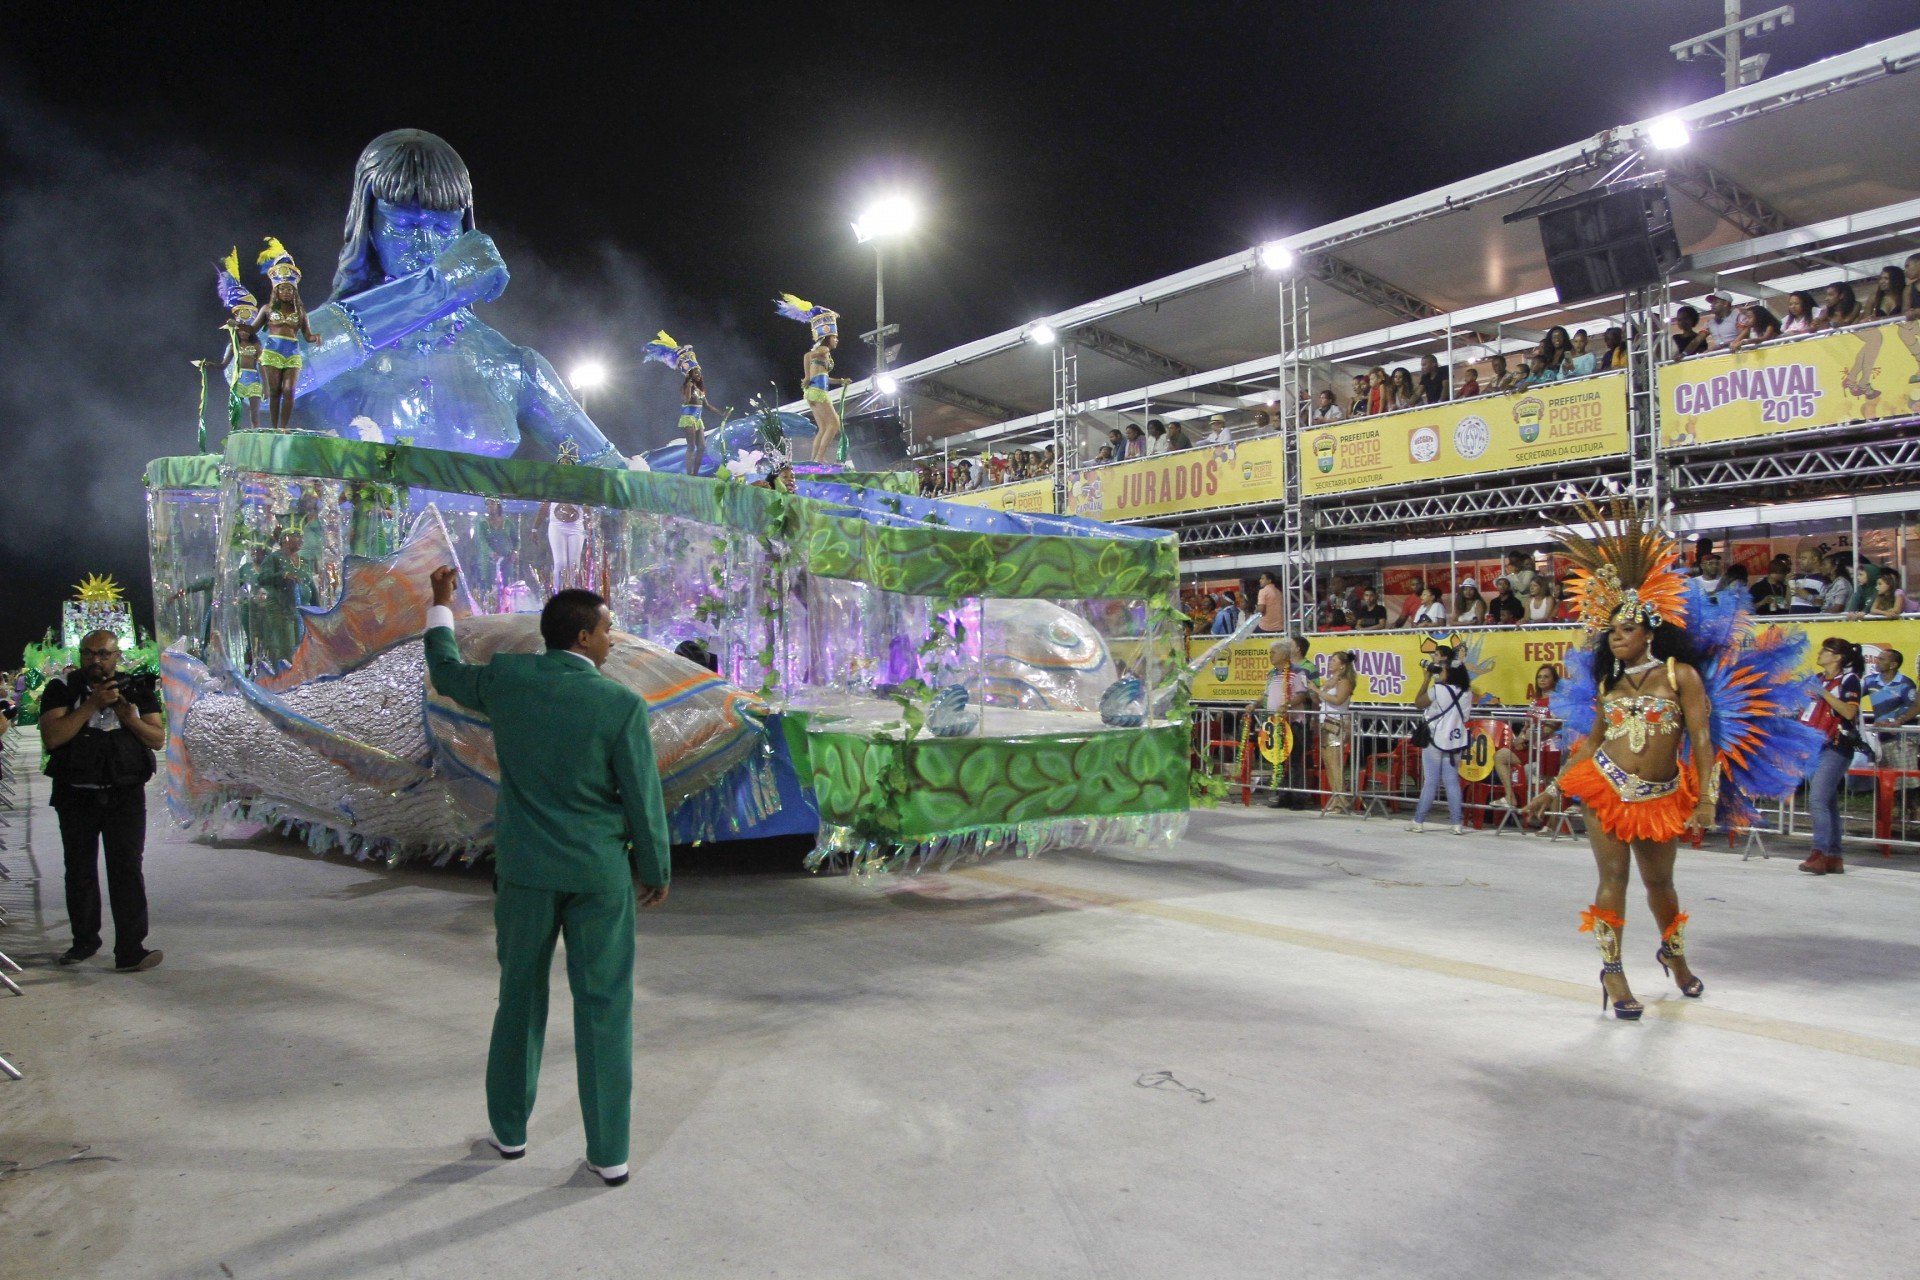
[[1690, 1011]]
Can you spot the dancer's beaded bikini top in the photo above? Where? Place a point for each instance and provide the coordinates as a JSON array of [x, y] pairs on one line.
[[1639, 716]]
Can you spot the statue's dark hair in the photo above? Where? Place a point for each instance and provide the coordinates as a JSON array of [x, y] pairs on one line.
[[406, 166], [568, 614]]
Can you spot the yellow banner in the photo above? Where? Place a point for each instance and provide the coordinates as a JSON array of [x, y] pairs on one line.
[[1023, 495], [1228, 475], [1557, 422], [1790, 386], [1503, 660]]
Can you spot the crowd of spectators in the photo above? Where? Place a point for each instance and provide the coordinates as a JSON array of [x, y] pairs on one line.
[[1818, 582], [939, 478]]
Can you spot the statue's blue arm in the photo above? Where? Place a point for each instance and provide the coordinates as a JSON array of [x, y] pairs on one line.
[[347, 332], [549, 413]]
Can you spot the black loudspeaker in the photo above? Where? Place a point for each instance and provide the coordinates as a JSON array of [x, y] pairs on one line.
[[875, 442], [1608, 241]]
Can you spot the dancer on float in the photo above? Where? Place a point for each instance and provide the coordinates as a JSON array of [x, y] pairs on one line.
[[817, 369], [1686, 727], [286, 325], [693, 393], [245, 386], [566, 530]]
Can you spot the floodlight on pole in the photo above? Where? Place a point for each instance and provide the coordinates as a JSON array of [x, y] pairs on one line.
[[1668, 133], [588, 375], [887, 384], [1041, 332], [885, 219], [1275, 256]]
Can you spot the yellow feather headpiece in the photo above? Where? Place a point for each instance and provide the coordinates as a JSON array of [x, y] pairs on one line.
[[278, 263], [1626, 572]]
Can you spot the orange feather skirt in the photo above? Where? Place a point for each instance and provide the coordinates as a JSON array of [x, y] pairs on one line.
[[1625, 817]]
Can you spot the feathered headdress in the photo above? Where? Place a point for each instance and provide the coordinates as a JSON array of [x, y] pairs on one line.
[[234, 296], [825, 323], [1626, 571], [668, 352], [278, 263]]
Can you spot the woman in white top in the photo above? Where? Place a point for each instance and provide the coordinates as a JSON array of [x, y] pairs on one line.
[[1444, 708], [1541, 606], [1469, 610], [1335, 696], [1432, 611]]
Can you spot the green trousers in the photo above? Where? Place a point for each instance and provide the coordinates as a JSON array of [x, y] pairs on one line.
[[599, 932]]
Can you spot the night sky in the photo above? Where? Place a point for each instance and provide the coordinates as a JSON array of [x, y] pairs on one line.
[[648, 166]]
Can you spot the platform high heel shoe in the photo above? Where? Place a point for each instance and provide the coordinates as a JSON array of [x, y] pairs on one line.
[[1605, 927], [1673, 943]]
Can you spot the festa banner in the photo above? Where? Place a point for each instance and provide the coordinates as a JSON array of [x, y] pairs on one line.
[[1789, 386], [1229, 475], [1503, 660], [1031, 496], [1558, 422]]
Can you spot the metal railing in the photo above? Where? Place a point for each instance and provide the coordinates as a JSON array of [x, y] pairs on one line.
[[18, 877], [1364, 764]]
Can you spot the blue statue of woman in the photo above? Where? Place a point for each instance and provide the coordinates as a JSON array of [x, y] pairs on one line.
[[399, 355]]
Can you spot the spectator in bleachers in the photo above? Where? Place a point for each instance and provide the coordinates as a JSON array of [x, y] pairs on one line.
[[1104, 455], [1889, 295], [1771, 594], [1520, 570], [1136, 442], [1842, 308], [1433, 381], [1580, 361], [1379, 393], [1469, 609], [1614, 354], [1333, 617], [1502, 379], [1687, 339], [1469, 384], [1176, 439], [1538, 373], [1405, 393], [1887, 600], [1371, 615], [1432, 611], [1156, 437], [1709, 569], [1357, 405], [1910, 305], [1839, 587], [1116, 445], [1505, 609], [1893, 698], [1721, 324], [1262, 422], [1756, 324], [1270, 604], [1736, 576], [1219, 432], [1808, 584], [1541, 606], [1325, 409], [1230, 612], [1557, 347], [1802, 314]]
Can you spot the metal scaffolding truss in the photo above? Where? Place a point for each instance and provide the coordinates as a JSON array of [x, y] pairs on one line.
[[1066, 411], [1492, 501], [1106, 342], [934, 389], [1844, 466]]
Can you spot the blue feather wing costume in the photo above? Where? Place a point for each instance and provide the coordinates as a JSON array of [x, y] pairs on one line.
[[1754, 690]]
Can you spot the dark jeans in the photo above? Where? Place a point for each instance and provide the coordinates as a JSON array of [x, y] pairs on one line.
[[117, 819]]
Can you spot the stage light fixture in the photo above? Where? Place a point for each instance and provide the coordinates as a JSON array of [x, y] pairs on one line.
[[1042, 333], [1275, 256], [884, 219], [1669, 133], [887, 384], [588, 375]]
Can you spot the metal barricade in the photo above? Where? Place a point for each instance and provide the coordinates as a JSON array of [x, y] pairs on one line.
[[19, 878]]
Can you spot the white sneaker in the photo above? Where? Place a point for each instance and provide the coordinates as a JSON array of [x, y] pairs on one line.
[[1500, 802], [613, 1175], [1456, 830], [1416, 827], [506, 1152]]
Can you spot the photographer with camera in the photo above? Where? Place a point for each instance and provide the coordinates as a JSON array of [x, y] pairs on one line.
[[1441, 734], [101, 728]]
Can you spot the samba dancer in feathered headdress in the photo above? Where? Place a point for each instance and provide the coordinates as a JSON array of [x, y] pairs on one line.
[[817, 369], [693, 393], [286, 325], [1685, 724], [241, 360]]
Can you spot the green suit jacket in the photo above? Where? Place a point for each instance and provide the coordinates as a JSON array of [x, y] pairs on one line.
[[578, 782]]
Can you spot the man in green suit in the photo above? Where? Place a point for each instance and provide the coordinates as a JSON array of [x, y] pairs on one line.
[[580, 835]]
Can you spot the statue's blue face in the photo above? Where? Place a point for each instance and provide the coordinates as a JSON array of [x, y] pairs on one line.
[[406, 238]]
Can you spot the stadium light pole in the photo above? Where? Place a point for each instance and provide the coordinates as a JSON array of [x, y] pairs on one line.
[[587, 376], [886, 219]]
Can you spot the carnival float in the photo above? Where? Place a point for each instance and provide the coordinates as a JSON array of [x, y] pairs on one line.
[[909, 681]]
